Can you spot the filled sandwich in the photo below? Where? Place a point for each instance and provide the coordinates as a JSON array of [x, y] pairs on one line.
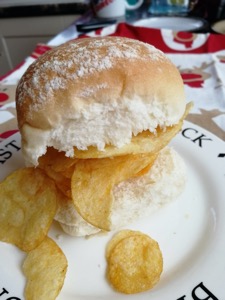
[[97, 115]]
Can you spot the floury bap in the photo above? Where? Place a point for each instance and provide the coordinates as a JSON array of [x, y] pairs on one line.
[[97, 115]]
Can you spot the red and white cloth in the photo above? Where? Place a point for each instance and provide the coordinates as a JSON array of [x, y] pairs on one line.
[[199, 57]]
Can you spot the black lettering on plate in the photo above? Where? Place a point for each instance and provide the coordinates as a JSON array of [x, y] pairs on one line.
[[200, 139], [4, 156], [12, 144], [201, 291], [7, 152], [3, 292], [195, 136]]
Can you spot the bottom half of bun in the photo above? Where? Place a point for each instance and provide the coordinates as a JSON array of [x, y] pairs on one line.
[[135, 198]]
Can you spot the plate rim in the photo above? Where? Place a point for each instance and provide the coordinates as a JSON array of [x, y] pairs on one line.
[[176, 19]]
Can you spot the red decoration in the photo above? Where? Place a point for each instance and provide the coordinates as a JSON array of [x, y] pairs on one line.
[[7, 134], [3, 97]]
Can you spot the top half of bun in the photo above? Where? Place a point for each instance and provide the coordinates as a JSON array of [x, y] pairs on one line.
[[96, 91]]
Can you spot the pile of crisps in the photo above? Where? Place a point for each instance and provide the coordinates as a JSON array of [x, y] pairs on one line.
[[30, 197], [87, 180], [29, 200]]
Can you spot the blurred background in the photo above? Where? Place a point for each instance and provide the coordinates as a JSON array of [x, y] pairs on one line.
[[25, 23]]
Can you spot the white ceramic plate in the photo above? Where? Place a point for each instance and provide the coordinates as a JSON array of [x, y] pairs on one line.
[[219, 27], [190, 231], [173, 23]]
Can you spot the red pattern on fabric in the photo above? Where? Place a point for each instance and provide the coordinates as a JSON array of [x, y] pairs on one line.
[[7, 134], [39, 50], [3, 97]]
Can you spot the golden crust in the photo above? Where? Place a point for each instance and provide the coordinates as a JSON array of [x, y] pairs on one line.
[[101, 70]]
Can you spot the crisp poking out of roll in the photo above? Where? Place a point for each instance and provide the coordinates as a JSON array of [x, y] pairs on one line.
[[96, 114]]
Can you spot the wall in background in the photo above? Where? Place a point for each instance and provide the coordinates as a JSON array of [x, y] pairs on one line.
[[19, 36]]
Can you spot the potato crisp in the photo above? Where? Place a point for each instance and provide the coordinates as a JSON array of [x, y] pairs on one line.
[[135, 262], [94, 179], [27, 207], [45, 269]]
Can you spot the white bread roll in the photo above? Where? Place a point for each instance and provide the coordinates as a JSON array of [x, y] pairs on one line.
[[135, 198], [102, 92], [96, 92]]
